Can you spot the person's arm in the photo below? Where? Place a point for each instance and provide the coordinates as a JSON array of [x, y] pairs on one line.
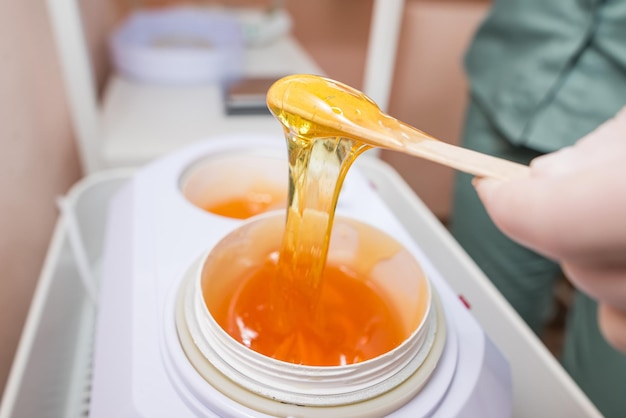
[[572, 208]]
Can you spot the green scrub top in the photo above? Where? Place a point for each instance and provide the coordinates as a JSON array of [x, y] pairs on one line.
[[546, 72]]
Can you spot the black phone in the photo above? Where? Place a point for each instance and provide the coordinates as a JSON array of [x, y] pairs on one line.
[[247, 96]]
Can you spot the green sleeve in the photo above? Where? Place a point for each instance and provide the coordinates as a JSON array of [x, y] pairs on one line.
[[547, 73]]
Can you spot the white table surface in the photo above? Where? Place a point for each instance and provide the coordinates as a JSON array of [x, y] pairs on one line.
[[140, 122]]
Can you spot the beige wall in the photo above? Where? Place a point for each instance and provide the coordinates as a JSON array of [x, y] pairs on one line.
[[430, 88], [335, 34], [38, 160]]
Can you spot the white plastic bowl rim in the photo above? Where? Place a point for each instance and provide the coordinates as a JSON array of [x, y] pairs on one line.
[[136, 56], [300, 384]]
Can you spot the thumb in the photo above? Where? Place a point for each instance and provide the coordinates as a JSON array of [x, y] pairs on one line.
[[486, 187], [518, 208]]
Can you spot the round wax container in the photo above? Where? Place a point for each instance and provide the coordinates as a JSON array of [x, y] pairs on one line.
[[373, 387], [238, 183]]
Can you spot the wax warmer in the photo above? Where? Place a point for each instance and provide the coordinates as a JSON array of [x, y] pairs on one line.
[[158, 353]]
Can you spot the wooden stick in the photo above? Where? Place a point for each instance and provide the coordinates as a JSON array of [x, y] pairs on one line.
[[466, 160]]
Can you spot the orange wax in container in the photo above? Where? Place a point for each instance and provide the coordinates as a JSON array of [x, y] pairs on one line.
[[244, 207], [237, 184], [351, 322]]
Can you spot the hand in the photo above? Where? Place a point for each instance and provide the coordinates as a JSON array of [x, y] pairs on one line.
[[572, 208]]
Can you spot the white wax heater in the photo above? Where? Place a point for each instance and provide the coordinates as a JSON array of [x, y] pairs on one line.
[[152, 358]]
